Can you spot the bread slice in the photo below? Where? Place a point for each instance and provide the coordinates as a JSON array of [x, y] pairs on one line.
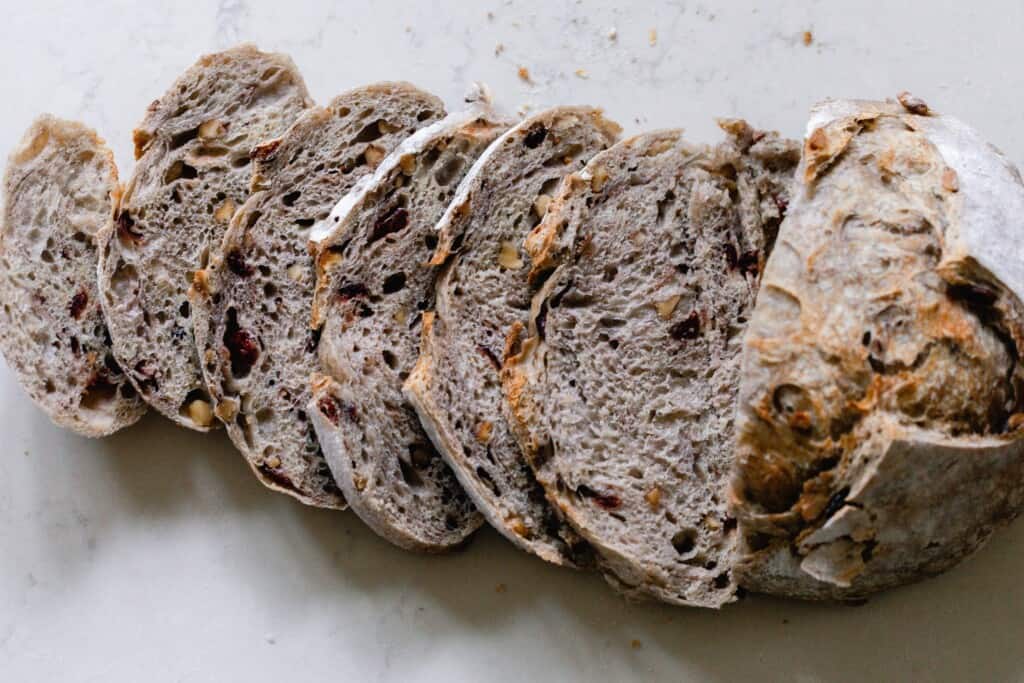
[[192, 172], [375, 290], [59, 191], [623, 392], [251, 304], [482, 289], [881, 414]]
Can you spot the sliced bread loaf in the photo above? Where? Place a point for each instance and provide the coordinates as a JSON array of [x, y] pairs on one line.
[[375, 290], [59, 191], [192, 172], [482, 290], [251, 305], [881, 415], [623, 391]]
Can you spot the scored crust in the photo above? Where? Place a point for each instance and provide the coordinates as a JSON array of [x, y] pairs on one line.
[[60, 188], [192, 172], [880, 413]]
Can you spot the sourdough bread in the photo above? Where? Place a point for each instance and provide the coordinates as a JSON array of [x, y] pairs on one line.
[[59, 191], [482, 289], [880, 413], [375, 291], [192, 173], [251, 306], [624, 387]]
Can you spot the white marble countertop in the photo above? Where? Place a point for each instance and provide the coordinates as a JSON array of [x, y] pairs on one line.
[[156, 556]]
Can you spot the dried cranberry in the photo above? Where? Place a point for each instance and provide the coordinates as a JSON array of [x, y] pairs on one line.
[[351, 291], [241, 345], [686, 329], [535, 135], [329, 408], [78, 304], [394, 220], [276, 476], [237, 265], [608, 501]]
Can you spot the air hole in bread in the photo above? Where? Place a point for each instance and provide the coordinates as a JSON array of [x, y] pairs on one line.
[[305, 222], [49, 387], [46, 256], [270, 73], [389, 359], [663, 204], [369, 133], [290, 198], [343, 112], [564, 157], [183, 138], [451, 170], [409, 474], [270, 290], [240, 161], [394, 283], [685, 541], [425, 114], [180, 170], [98, 392], [486, 478], [430, 241], [185, 310], [124, 281]]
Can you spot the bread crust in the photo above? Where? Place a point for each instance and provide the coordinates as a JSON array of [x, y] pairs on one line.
[[379, 234], [879, 413], [529, 522], [60, 187], [193, 149], [296, 179], [649, 258]]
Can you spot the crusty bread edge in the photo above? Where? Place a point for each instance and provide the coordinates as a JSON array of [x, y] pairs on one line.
[[124, 414]]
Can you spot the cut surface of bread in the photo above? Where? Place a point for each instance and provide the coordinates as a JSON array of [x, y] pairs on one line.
[[375, 292], [192, 172], [880, 415], [59, 191], [623, 394], [251, 306], [481, 291]]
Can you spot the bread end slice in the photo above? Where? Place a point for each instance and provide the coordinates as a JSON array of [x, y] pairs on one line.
[[60, 188]]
